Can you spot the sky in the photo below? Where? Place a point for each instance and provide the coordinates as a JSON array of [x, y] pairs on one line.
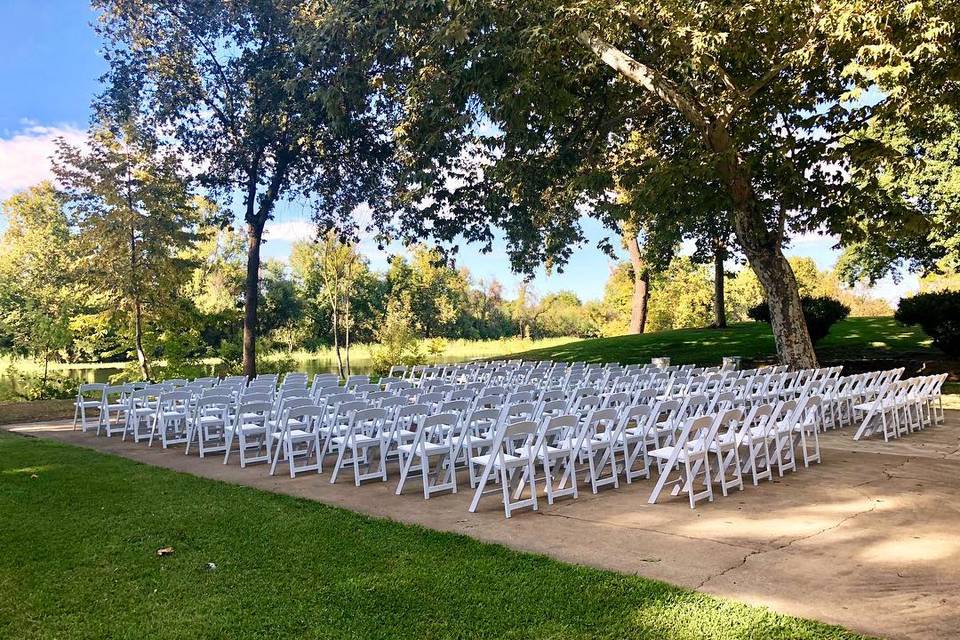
[[50, 64]]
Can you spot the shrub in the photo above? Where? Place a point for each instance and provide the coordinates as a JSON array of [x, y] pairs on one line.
[[821, 313], [230, 353], [26, 386], [436, 347], [281, 365], [938, 314]]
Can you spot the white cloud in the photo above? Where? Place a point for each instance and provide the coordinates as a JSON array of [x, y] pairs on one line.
[[290, 231], [812, 237], [25, 155]]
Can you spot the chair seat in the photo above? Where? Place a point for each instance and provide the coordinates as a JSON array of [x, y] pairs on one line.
[[757, 432], [603, 437], [553, 451], [431, 448], [357, 438], [252, 428], [507, 459], [88, 403], [664, 453], [293, 434]]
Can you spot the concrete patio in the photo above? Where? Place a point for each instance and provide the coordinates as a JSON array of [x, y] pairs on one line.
[[870, 539]]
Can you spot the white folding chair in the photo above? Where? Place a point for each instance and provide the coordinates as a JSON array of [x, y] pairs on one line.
[[512, 451], [249, 428], [298, 439], [597, 443], [689, 448], [757, 435], [114, 406], [89, 396], [726, 447], [172, 418], [365, 432], [432, 441], [211, 419]]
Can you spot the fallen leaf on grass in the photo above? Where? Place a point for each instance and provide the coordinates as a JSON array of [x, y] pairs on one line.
[[165, 551]]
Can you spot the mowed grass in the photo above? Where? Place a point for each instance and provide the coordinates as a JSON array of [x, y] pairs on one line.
[[851, 339], [78, 560]]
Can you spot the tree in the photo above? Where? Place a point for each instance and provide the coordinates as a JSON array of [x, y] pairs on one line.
[[488, 315], [641, 280], [683, 296], [37, 290], [135, 217], [515, 113], [280, 306], [328, 273], [215, 286], [562, 314], [615, 313], [269, 99], [437, 291]]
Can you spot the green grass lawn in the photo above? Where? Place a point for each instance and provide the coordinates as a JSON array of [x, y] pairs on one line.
[[80, 531], [851, 339]]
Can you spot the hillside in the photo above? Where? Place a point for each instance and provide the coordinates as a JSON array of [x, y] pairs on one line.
[[855, 342]]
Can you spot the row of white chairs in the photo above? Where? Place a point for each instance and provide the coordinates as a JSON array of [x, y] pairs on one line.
[[291, 421], [897, 408]]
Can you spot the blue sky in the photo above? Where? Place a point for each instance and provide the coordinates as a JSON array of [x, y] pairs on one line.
[[50, 66]]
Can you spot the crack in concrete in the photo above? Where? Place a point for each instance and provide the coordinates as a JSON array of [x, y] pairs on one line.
[[554, 514], [887, 471], [785, 545]]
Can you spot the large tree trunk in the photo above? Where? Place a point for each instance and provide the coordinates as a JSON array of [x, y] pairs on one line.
[[336, 341], [641, 284], [138, 340], [346, 331], [719, 304], [137, 308], [251, 298], [763, 250], [46, 371]]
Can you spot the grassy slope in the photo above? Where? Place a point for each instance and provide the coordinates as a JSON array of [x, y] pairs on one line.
[[852, 339], [80, 532]]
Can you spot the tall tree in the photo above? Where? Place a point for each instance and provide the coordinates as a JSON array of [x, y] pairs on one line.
[[436, 290], [37, 285], [527, 104], [268, 99], [641, 280], [135, 219], [330, 272]]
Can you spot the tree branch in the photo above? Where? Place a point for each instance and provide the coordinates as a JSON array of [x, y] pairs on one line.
[[230, 115], [744, 97], [648, 78]]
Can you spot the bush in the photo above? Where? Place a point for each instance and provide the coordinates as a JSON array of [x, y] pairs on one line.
[[938, 314], [278, 364], [821, 313], [26, 386]]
